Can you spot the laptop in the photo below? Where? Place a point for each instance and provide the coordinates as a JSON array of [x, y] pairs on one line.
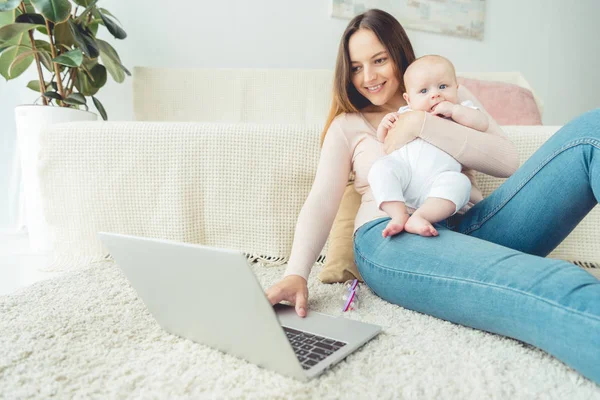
[[211, 296]]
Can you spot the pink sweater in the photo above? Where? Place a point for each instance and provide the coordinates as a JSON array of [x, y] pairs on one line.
[[351, 145]]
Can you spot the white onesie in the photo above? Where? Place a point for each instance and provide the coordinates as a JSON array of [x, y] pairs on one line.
[[417, 171]]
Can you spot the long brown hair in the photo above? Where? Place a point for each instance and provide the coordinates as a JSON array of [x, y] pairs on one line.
[[391, 35]]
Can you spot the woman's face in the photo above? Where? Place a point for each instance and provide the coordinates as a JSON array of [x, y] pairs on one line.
[[373, 72]]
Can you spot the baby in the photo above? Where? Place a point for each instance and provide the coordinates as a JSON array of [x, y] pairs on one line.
[[420, 175]]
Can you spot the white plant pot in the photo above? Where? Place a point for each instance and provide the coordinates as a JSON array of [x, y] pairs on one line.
[[30, 120]]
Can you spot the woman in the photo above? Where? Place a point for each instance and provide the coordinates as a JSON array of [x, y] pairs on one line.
[[486, 268]]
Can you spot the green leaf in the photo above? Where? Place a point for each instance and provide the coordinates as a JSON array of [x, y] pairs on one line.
[[53, 10], [89, 63], [63, 34], [84, 3], [44, 53], [76, 99], [89, 8], [46, 60], [7, 17], [111, 54], [5, 47], [111, 61], [31, 19], [112, 27], [35, 86], [53, 95], [42, 44], [89, 85], [43, 30], [8, 5], [106, 12], [8, 32], [29, 9], [18, 46], [84, 40], [93, 27], [25, 57], [99, 74], [73, 58], [100, 108], [17, 68]]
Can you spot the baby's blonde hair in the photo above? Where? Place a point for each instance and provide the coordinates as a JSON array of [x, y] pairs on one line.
[[434, 58]]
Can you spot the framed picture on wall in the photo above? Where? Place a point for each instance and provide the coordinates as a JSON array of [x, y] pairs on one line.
[[463, 18]]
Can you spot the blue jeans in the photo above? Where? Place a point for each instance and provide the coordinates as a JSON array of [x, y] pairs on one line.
[[487, 270]]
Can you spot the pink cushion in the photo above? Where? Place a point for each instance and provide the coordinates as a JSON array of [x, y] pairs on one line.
[[509, 104]]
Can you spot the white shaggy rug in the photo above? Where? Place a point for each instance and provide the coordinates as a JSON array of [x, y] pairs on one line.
[[86, 335]]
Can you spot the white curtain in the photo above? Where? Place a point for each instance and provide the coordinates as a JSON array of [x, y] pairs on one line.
[[11, 205], [12, 94]]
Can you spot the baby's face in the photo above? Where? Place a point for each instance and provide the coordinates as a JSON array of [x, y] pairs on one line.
[[428, 84]]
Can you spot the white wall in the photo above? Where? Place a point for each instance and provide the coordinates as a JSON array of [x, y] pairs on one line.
[[554, 43]]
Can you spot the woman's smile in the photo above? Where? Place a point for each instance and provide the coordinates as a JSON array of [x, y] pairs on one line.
[[375, 88]]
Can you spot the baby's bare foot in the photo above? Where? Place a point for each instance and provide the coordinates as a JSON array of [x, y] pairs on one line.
[[395, 226], [420, 226]]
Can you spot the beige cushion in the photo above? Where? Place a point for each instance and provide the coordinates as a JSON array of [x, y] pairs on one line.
[[339, 262]]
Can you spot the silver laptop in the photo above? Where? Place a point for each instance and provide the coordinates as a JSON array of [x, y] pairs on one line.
[[211, 296]]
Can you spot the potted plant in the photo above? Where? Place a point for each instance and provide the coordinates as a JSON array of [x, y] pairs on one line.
[[76, 60], [59, 38]]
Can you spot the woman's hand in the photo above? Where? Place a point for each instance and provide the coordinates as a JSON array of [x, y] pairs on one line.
[[406, 129], [292, 288]]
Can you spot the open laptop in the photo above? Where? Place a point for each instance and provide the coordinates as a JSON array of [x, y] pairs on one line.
[[211, 296]]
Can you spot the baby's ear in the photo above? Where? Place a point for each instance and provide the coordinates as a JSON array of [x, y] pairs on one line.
[[405, 95]]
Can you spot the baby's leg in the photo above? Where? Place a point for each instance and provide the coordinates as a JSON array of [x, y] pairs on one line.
[[433, 210], [397, 211], [388, 178], [450, 191]]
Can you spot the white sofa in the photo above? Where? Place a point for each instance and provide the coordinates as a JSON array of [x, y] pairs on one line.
[[233, 171]]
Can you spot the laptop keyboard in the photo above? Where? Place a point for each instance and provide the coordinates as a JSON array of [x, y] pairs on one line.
[[310, 349]]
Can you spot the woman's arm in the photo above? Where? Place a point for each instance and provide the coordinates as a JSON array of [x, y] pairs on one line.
[[491, 153], [321, 206], [470, 117]]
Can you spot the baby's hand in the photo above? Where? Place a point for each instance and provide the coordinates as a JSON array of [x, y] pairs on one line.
[[443, 109], [386, 124]]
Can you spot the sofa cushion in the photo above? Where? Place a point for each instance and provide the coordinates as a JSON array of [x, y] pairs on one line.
[[508, 103], [277, 96]]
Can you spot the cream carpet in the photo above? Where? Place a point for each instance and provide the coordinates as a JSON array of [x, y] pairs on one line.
[[86, 335]]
